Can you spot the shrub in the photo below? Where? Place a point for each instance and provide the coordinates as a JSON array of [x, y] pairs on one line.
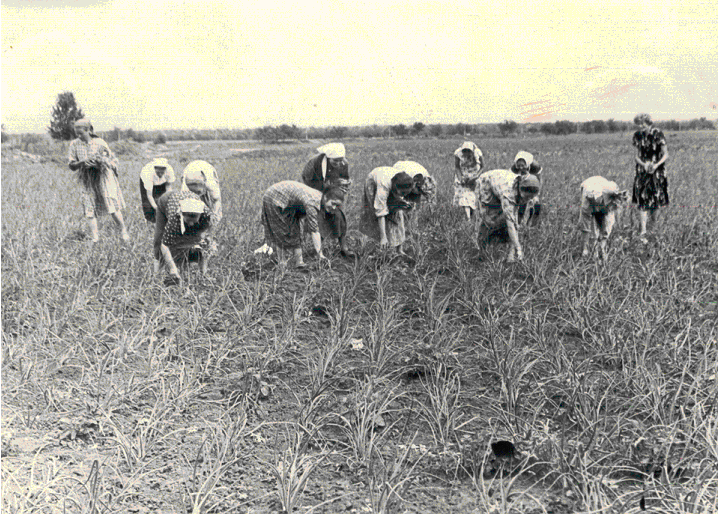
[[160, 139]]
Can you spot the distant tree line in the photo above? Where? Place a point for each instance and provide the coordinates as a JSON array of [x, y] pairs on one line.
[[66, 111]]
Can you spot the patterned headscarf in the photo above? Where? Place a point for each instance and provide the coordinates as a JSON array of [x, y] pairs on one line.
[[469, 145]]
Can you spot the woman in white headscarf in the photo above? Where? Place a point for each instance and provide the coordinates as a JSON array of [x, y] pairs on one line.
[[327, 170], [468, 163], [424, 191], [525, 164], [601, 200], [200, 177], [97, 170], [181, 231], [156, 179]]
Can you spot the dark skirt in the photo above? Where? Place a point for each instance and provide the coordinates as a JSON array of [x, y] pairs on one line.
[[650, 190], [147, 209], [282, 227], [337, 223]]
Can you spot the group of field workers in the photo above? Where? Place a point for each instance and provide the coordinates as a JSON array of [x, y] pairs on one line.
[[496, 200]]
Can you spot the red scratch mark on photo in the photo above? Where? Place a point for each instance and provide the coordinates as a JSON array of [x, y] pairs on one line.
[[540, 110], [612, 92], [592, 68]]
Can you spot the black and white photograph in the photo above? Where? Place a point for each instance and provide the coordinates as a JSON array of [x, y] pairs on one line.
[[385, 257]]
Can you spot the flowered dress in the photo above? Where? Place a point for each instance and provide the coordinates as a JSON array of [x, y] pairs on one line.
[[466, 179], [101, 190], [185, 243], [650, 190]]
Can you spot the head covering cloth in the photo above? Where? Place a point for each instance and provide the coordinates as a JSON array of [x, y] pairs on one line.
[[189, 206], [527, 157], [160, 162], [469, 145], [333, 150]]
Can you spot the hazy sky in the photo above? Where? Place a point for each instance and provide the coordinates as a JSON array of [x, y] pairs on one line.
[[214, 64]]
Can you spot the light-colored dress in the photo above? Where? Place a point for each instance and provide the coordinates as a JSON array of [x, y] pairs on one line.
[[380, 201], [498, 193], [598, 214], [106, 197], [466, 177]]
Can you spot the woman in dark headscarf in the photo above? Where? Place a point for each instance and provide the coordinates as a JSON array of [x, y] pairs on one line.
[[97, 169]]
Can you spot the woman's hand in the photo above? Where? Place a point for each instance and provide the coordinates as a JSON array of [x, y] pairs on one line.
[[383, 242]]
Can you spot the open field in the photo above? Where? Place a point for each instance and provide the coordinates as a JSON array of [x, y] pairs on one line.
[[369, 387]]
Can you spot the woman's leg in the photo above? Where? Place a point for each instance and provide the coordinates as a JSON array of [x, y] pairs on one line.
[[117, 216], [467, 210], [298, 258], [94, 230], [643, 219]]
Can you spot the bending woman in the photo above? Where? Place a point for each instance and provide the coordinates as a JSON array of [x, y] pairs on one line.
[[181, 231], [97, 169], [200, 177], [156, 179], [327, 170], [424, 189], [501, 193], [384, 206], [284, 206]]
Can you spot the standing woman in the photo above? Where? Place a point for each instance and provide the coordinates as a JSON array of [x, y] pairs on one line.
[[181, 231], [200, 177], [650, 185], [156, 179], [327, 170], [285, 205], [97, 168], [384, 205], [424, 188], [468, 163]]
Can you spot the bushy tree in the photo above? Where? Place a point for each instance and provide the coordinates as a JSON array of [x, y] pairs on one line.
[[64, 115], [5, 137], [436, 130], [508, 127], [337, 132], [399, 130], [417, 128]]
